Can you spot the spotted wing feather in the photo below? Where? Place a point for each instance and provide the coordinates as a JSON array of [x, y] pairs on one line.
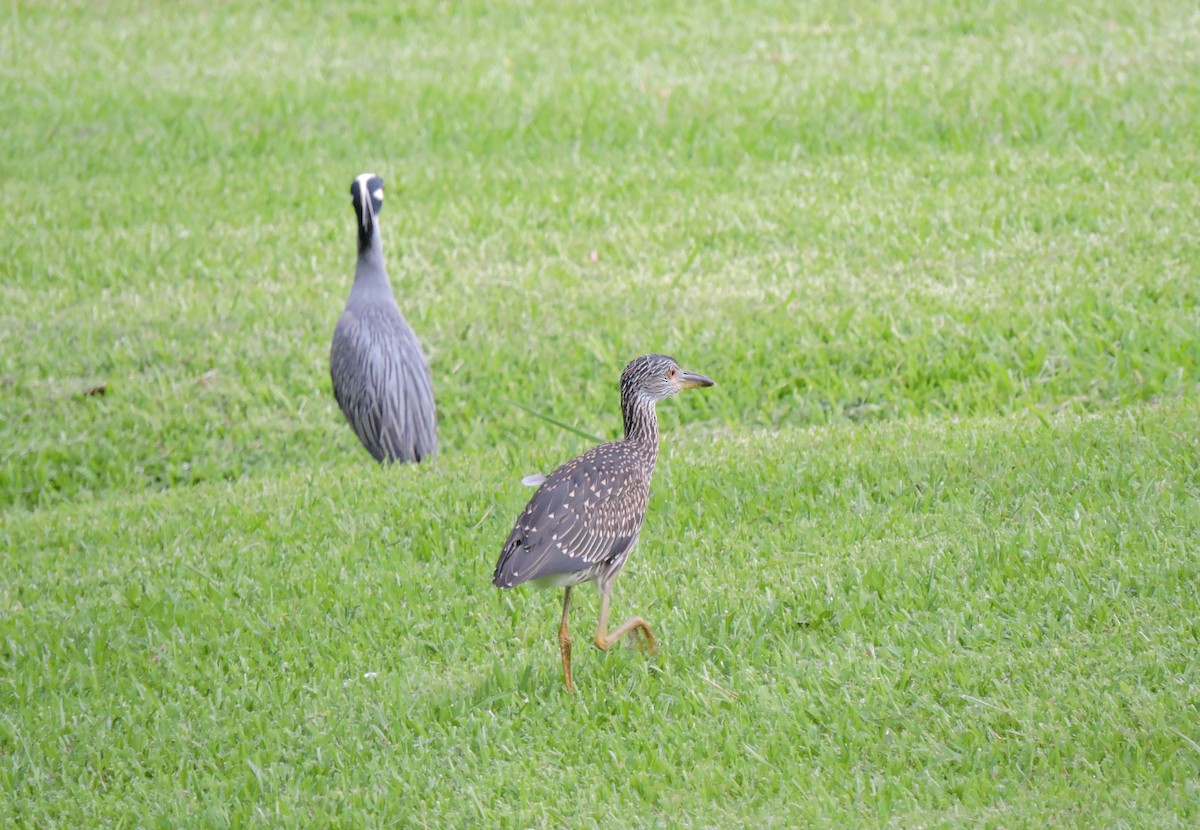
[[583, 519]]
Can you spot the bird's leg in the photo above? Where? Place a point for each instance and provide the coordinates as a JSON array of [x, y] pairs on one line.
[[605, 641], [564, 639]]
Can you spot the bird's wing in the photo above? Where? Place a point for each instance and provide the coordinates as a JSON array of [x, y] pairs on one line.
[[354, 365], [587, 512], [412, 429], [382, 384]]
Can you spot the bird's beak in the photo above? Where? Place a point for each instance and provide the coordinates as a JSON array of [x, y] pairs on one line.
[[690, 380]]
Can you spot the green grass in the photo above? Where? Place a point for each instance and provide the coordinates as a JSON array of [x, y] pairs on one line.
[[928, 555]]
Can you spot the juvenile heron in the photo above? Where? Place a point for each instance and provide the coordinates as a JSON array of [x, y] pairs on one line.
[[380, 377], [583, 522]]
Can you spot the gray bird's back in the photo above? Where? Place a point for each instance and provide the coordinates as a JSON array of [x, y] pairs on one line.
[[382, 382]]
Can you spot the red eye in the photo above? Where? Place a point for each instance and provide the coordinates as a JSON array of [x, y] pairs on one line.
[[671, 372]]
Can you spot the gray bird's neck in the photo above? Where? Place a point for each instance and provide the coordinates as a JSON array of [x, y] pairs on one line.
[[370, 275]]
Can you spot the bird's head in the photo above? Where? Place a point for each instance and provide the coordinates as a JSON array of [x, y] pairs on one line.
[[366, 192], [654, 377]]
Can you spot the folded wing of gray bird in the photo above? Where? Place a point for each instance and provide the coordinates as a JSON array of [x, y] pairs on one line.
[[380, 376]]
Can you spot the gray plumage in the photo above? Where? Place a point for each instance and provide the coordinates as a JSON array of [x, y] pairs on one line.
[[380, 376], [584, 520]]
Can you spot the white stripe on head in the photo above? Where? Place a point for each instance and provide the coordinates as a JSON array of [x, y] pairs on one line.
[[364, 193]]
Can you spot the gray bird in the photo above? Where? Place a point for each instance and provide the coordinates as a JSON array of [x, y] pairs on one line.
[[380, 376], [584, 520]]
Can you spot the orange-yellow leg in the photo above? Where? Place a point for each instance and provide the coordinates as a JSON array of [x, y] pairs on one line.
[[564, 640], [605, 641]]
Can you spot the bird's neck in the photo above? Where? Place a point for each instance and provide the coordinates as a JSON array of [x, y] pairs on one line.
[[641, 422], [370, 274]]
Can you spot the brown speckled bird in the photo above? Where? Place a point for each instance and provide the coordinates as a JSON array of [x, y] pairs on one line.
[[583, 522]]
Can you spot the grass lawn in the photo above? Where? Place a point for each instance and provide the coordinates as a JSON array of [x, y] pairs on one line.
[[927, 555]]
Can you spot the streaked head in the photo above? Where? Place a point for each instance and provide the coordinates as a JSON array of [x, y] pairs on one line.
[[366, 192], [654, 377]]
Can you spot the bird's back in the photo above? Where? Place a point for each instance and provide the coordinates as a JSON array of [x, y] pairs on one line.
[[583, 520], [382, 382]]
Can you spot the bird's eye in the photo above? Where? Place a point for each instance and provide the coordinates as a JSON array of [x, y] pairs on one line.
[[672, 372]]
